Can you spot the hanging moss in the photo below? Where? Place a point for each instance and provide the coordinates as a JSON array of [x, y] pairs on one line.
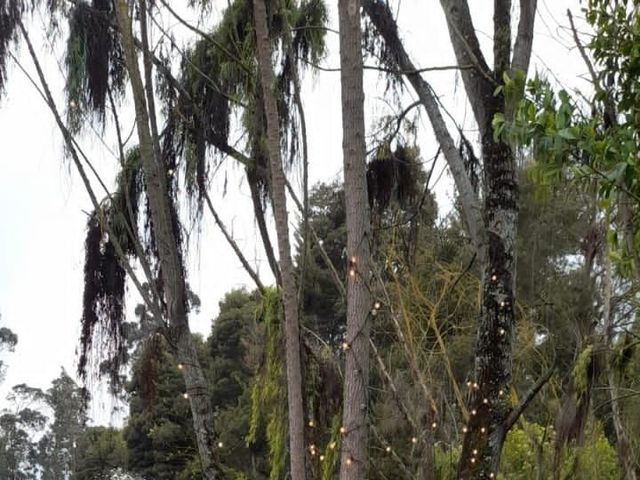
[[104, 275], [10, 15], [103, 299], [331, 452], [94, 60], [222, 69], [471, 162], [393, 175], [268, 395], [582, 370]]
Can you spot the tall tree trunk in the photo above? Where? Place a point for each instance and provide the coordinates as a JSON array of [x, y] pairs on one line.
[[354, 458], [292, 328], [492, 227], [623, 446], [173, 275]]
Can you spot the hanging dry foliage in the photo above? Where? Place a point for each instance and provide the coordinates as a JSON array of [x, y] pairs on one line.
[[10, 15], [94, 60], [393, 175]]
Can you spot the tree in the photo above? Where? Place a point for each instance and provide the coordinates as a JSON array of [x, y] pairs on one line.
[[100, 451], [289, 292], [354, 458], [491, 227], [165, 227], [8, 341], [18, 427], [57, 447]]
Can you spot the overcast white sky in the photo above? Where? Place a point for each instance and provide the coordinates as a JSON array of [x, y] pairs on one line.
[[42, 201]]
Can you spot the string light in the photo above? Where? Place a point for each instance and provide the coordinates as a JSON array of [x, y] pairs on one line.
[[476, 386], [473, 460], [388, 449], [322, 458], [180, 366], [349, 461], [494, 277], [352, 272], [414, 440], [220, 444], [469, 384], [376, 305], [482, 430], [434, 425], [502, 331], [502, 304], [485, 401], [185, 395], [170, 172], [475, 451], [473, 412], [492, 475], [312, 423], [343, 430], [501, 392], [345, 346], [332, 445], [465, 429]]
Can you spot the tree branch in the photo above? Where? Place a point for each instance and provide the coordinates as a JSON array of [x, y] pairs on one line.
[[252, 273], [501, 37], [524, 38], [467, 50], [380, 15], [526, 400]]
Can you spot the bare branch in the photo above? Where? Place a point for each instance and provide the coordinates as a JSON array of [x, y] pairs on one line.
[[437, 68], [383, 20], [252, 273], [467, 50], [524, 38], [527, 399]]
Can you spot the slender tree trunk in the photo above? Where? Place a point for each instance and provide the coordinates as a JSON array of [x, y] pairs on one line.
[[292, 328], [173, 274], [623, 446], [492, 227], [354, 457]]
